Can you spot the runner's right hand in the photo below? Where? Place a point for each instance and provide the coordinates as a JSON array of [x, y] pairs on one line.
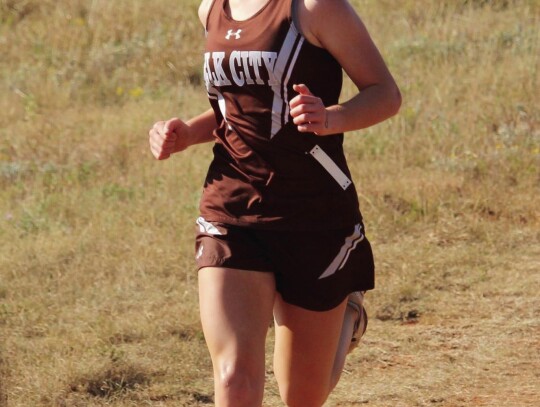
[[168, 137]]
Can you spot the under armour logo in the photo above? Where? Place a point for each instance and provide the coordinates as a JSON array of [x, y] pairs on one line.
[[236, 34]]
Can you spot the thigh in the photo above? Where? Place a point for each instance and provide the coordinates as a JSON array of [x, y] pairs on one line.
[[305, 349], [236, 310]]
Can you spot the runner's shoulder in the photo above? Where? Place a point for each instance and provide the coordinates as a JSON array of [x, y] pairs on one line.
[[204, 8]]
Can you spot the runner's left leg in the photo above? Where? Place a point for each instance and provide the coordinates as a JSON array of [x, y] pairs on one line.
[[305, 351]]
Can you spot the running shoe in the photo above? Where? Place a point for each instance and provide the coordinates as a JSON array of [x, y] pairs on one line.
[[356, 302]]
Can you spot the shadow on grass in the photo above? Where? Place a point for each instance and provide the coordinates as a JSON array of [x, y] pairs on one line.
[[112, 381], [119, 380]]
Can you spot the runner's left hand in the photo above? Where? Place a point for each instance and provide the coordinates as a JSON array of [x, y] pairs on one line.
[[308, 112]]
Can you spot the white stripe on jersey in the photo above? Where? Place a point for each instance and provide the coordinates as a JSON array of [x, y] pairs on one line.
[[286, 81], [215, 94], [288, 56]]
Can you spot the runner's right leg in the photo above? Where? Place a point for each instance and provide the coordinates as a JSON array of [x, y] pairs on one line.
[[236, 310]]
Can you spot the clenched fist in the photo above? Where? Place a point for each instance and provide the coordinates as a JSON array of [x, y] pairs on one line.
[[168, 137], [308, 112]]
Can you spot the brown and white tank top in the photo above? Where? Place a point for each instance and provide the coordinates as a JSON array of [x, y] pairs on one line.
[[265, 173]]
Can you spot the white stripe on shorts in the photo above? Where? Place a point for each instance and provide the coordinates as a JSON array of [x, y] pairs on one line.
[[341, 259], [207, 227]]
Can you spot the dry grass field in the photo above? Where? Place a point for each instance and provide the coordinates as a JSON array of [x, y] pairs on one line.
[[98, 300]]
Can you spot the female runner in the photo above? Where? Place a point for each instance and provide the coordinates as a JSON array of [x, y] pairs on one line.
[[280, 233]]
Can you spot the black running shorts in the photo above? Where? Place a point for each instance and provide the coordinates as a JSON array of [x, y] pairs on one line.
[[315, 270]]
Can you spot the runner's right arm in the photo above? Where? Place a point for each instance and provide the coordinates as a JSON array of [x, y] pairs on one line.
[[174, 135]]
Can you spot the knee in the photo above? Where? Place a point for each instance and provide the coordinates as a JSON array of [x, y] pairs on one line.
[[303, 395], [238, 385]]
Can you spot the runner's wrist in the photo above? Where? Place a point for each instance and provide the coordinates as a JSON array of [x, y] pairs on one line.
[[333, 120]]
